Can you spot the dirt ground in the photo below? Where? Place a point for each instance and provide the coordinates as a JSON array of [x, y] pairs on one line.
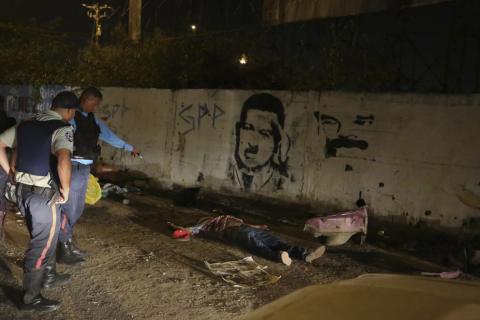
[[137, 271]]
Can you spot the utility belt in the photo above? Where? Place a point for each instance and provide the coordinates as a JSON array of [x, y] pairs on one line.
[[51, 194]]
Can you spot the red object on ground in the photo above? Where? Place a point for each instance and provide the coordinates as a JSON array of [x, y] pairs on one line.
[[181, 234]]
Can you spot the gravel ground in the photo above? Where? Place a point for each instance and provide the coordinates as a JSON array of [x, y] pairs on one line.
[[136, 271]]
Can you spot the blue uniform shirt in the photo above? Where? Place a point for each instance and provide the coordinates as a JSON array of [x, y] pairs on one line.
[[106, 135]]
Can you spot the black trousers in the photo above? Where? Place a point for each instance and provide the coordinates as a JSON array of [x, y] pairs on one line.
[[3, 202]]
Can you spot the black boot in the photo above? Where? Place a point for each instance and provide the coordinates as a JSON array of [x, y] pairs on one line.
[[77, 251], [52, 278], [32, 299], [66, 255]]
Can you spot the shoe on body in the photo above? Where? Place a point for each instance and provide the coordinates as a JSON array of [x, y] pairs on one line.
[[315, 254], [285, 258]]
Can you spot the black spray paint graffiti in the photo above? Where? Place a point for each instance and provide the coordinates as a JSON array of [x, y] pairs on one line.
[[361, 120], [193, 116], [261, 144], [331, 127]]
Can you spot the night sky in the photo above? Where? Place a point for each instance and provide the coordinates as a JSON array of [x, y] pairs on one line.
[[68, 16], [167, 15]]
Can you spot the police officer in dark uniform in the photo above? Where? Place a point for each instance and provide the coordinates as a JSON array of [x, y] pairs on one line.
[[42, 169], [5, 123], [88, 129]]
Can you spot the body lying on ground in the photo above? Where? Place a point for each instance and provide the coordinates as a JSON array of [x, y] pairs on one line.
[[253, 238]]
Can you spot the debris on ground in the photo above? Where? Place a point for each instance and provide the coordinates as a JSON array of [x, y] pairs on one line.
[[181, 235], [443, 275], [243, 273], [338, 228], [112, 188], [101, 168]]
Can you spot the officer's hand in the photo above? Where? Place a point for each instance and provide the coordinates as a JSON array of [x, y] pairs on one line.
[[135, 152], [11, 177], [63, 196]]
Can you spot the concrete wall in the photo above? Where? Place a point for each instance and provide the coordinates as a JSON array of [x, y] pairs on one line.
[[412, 157], [286, 11]]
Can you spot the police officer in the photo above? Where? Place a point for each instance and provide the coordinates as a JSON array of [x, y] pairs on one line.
[[88, 130], [5, 123], [42, 169]]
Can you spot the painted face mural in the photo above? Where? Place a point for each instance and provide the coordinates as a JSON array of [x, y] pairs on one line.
[[261, 145], [256, 143], [331, 127]]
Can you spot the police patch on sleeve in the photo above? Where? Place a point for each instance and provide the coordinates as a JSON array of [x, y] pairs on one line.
[[69, 136]]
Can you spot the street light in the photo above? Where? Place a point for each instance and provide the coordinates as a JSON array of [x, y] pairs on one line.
[[243, 59], [96, 12], [193, 27]]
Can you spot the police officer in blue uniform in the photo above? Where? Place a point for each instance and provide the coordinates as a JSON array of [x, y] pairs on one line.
[[42, 168], [88, 130]]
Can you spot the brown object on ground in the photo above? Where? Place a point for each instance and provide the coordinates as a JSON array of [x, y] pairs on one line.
[[378, 296], [101, 168]]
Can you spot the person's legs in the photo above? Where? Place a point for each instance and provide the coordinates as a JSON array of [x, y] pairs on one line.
[[276, 244], [53, 278], [262, 238], [71, 211], [301, 253], [297, 252], [258, 242], [3, 203], [42, 223]]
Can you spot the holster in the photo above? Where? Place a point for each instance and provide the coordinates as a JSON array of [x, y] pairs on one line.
[[49, 193]]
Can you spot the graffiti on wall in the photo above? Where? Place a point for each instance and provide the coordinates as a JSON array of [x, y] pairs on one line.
[[47, 93], [261, 144], [194, 116], [110, 111], [23, 101], [336, 138]]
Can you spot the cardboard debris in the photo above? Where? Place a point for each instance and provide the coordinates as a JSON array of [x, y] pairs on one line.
[[242, 273]]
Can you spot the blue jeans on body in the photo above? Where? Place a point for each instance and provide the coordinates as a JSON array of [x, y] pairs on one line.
[[72, 210], [263, 243]]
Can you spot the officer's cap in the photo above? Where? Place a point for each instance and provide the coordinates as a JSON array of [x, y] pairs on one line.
[[66, 100]]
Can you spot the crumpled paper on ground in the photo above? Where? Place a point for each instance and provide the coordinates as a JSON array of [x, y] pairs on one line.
[[242, 273]]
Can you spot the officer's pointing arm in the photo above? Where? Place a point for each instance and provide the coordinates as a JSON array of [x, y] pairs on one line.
[[64, 168], [7, 140], [4, 158], [108, 136]]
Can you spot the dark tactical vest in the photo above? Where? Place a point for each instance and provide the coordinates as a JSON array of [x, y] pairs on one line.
[[86, 136], [34, 146]]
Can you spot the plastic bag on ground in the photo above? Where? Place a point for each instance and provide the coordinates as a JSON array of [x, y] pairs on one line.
[[94, 191]]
